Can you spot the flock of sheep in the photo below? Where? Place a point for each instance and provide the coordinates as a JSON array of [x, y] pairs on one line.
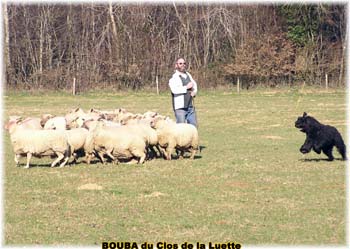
[[116, 136]]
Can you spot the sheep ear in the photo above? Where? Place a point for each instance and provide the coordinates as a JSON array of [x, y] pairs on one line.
[[19, 120], [78, 109], [304, 115]]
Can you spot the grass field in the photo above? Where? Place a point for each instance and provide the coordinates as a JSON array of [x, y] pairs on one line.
[[250, 184]]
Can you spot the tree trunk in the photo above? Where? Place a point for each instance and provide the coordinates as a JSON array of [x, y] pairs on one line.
[[7, 45]]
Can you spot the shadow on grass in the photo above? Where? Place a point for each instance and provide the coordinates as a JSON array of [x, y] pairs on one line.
[[48, 165], [97, 162], [45, 165], [185, 157], [319, 160]]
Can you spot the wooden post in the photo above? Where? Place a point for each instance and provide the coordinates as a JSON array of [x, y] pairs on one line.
[[326, 81], [157, 84], [238, 85], [73, 87]]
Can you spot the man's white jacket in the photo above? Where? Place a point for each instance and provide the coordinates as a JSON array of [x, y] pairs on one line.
[[179, 90]]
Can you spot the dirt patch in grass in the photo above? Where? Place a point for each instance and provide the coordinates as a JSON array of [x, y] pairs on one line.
[[90, 186], [273, 137], [155, 194]]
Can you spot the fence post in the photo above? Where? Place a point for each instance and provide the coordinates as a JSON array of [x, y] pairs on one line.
[[326, 81], [73, 87], [238, 85]]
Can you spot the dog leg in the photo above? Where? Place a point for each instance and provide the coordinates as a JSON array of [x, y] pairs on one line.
[[317, 149], [305, 149], [328, 153], [307, 146], [341, 148]]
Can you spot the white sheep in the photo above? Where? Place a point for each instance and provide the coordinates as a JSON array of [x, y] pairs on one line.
[[76, 123], [28, 123], [76, 139], [91, 124], [45, 117], [122, 114], [150, 114], [108, 123], [148, 134], [107, 115], [80, 119], [129, 119], [115, 143], [182, 137], [56, 123], [72, 115], [38, 143]]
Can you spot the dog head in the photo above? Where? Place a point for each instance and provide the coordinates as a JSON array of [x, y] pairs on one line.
[[307, 123], [302, 123]]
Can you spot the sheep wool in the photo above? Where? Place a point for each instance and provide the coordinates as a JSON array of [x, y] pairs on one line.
[[40, 143], [182, 137], [76, 139], [116, 143]]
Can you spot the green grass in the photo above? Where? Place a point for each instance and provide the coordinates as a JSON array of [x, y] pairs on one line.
[[250, 184]]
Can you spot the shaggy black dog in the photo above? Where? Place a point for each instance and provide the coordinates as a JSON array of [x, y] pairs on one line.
[[320, 137]]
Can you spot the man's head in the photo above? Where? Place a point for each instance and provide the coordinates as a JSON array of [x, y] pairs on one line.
[[181, 65]]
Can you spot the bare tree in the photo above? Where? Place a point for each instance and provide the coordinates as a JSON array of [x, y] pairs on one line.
[[127, 46]]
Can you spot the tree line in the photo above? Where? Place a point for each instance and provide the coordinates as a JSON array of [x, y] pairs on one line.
[[133, 46]]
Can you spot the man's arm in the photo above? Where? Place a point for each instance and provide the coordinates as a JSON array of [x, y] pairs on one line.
[[176, 86], [194, 87]]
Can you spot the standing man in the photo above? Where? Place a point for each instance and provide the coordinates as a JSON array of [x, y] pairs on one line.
[[183, 90]]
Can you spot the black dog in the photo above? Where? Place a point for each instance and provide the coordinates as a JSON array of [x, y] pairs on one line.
[[320, 137]]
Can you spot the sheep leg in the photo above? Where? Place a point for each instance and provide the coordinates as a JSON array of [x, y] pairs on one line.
[[162, 152], [193, 152], [170, 149], [168, 152], [156, 150], [152, 151], [116, 161], [17, 157], [180, 153], [88, 158], [64, 162], [159, 150], [141, 155], [149, 153], [29, 156], [100, 155], [59, 158], [75, 158], [110, 155], [142, 158]]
